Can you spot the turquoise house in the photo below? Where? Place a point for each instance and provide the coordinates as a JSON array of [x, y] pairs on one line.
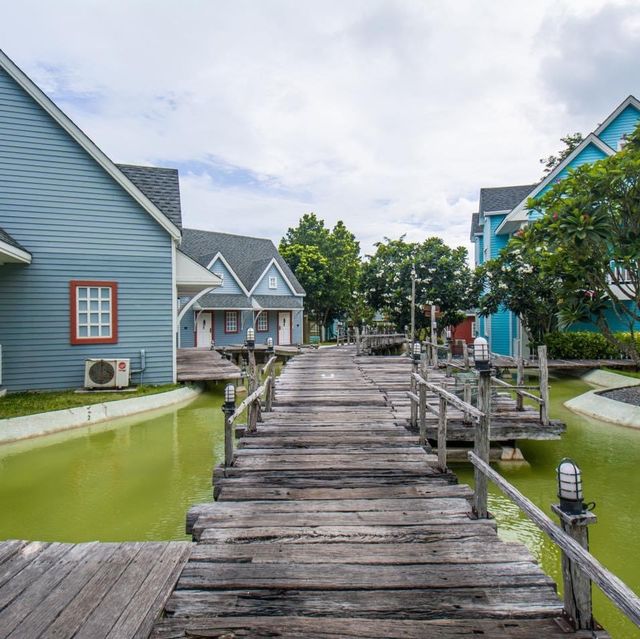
[[502, 212], [258, 291], [90, 266]]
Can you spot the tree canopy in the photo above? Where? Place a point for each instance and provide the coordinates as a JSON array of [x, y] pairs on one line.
[[327, 263], [442, 278]]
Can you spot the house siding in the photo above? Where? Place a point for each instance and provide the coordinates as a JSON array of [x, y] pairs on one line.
[[500, 342], [229, 284], [498, 242], [78, 223], [282, 288], [625, 123]]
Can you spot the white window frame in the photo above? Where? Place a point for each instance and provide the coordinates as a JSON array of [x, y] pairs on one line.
[[273, 281], [262, 322]]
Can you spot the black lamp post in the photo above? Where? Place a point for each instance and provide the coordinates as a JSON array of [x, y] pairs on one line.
[[570, 487], [251, 339], [228, 408]]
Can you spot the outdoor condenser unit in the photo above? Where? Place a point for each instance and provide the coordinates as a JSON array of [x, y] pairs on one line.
[[107, 373]]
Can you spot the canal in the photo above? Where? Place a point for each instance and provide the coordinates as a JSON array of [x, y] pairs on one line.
[[136, 482]]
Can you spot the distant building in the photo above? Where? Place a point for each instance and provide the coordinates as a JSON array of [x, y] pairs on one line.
[[502, 212], [258, 290]]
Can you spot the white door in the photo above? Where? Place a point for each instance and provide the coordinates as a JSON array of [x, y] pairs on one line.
[[204, 330], [284, 328]]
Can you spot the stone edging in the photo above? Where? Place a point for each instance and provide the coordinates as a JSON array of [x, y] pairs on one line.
[[593, 404], [15, 429]]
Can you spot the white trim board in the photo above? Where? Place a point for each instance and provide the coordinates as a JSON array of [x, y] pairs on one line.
[[629, 101], [81, 138], [516, 213], [14, 253], [220, 256]]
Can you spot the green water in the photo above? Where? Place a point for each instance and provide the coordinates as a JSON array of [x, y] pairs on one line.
[[136, 482], [133, 482], [608, 456]]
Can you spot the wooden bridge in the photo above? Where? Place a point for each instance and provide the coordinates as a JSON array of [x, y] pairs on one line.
[[332, 521]]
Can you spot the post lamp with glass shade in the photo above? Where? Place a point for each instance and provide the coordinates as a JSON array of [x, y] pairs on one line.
[[417, 353], [270, 345], [481, 355], [575, 517], [482, 361], [228, 408], [251, 338]]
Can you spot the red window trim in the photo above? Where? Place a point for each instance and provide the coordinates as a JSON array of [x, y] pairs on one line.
[[262, 330], [237, 322], [73, 310]]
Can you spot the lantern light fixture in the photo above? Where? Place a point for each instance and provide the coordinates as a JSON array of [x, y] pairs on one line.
[[448, 333], [270, 344], [251, 338], [417, 351], [229, 399], [481, 354], [570, 487]]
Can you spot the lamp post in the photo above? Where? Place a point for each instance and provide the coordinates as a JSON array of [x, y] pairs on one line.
[[250, 343], [482, 360], [228, 408], [270, 346], [413, 303], [575, 517]]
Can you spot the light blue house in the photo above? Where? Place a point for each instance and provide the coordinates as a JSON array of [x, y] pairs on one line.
[[89, 259], [258, 290], [502, 212]]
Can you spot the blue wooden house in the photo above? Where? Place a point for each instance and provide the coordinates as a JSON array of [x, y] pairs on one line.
[[502, 212], [89, 259], [258, 290]]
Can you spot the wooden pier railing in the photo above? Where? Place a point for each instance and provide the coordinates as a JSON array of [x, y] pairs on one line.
[[579, 567], [374, 342]]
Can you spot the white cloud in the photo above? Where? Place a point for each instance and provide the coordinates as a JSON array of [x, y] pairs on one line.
[[388, 115]]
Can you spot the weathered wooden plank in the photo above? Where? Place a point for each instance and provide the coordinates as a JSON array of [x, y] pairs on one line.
[[17, 561], [10, 548], [326, 627]]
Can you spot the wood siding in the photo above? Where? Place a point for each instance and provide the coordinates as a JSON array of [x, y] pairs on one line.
[[79, 224]]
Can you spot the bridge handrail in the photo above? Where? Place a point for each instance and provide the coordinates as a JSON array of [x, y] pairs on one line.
[[627, 601]]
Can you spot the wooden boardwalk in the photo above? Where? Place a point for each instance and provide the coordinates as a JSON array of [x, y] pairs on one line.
[[391, 376], [201, 364], [332, 522], [93, 590]]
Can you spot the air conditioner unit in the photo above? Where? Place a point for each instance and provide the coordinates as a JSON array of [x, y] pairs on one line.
[[107, 373]]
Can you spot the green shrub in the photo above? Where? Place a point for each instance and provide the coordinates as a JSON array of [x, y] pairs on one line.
[[580, 345]]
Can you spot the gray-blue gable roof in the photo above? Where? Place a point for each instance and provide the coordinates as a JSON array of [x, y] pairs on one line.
[[247, 256]]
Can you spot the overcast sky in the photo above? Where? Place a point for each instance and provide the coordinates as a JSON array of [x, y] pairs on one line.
[[389, 115]]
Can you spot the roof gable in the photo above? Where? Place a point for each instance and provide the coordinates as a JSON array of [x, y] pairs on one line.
[[248, 257], [36, 94], [576, 158], [283, 286], [503, 198], [231, 283], [622, 120]]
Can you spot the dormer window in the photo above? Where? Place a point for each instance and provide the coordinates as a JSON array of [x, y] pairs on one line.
[[622, 142], [273, 281]]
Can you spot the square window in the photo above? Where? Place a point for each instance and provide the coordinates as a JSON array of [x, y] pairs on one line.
[[273, 281], [93, 310]]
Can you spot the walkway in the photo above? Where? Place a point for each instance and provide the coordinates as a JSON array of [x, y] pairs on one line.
[[333, 523], [93, 590]]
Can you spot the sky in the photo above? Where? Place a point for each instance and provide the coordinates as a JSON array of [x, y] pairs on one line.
[[388, 115]]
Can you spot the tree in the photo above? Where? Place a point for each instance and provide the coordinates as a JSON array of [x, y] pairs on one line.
[[442, 277], [327, 263], [525, 278], [591, 223], [570, 141]]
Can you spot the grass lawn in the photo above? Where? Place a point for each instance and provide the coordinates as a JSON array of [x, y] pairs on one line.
[[17, 404], [625, 372]]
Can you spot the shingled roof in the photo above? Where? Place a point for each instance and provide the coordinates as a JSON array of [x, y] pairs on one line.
[[247, 256], [475, 226], [503, 198], [160, 185], [7, 239]]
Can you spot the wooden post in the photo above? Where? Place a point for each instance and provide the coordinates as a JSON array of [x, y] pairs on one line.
[[442, 435], [422, 393], [449, 360], [466, 398], [272, 386], [544, 385], [228, 438], [465, 355], [357, 329], [413, 413], [252, 409], [576, 584], [520, 382], [481, 443], [434, 337]]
